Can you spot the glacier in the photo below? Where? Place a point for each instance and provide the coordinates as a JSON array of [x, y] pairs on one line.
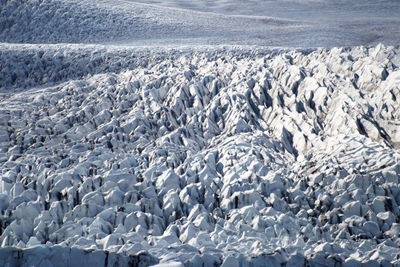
[[140, 134]]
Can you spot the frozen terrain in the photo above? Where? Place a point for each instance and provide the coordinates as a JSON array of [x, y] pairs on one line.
[[283, 23], [172, 133]]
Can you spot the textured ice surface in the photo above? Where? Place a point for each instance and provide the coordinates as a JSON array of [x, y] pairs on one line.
[[229, 156], [173, 133], [293, 23], [64, 256]]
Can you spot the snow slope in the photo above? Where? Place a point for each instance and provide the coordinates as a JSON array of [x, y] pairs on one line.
[[193, 133], [221, 156]]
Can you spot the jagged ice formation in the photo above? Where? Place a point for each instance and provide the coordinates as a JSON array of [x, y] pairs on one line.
[[229, 156]]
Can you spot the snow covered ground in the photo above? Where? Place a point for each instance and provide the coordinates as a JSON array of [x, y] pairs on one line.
[[192, 133]]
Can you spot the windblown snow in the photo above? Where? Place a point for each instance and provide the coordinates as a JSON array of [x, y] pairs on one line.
[[121, 155]]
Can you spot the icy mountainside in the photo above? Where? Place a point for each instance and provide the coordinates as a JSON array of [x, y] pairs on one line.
[[221, 156], [280, 23]]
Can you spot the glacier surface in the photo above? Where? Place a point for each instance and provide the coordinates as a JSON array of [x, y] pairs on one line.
[[199, 133], [228, 156]]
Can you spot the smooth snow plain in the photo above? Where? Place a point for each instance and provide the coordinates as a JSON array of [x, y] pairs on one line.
[[194, 133]]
